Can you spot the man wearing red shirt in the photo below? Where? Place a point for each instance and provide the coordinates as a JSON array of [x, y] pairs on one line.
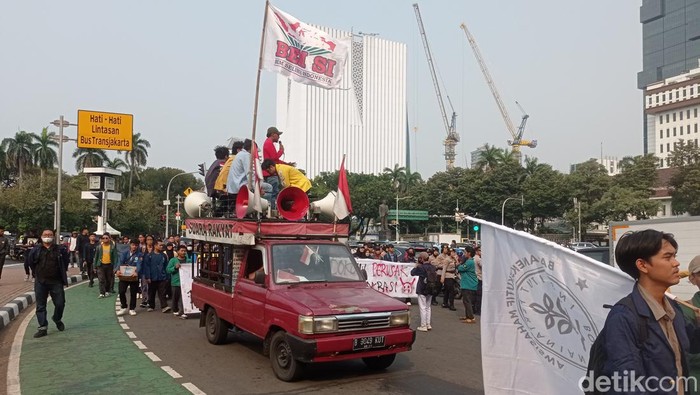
[[269, 150]]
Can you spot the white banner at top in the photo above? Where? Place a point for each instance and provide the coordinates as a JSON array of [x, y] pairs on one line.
[[542, 310], [302, 52]]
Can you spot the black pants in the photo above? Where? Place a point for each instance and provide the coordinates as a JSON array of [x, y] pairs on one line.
[[88, 265], [177, 300], [449, 292], [133, 290], [159, 287], [2, 263], [468, 297], [42, 291], [106, 277]]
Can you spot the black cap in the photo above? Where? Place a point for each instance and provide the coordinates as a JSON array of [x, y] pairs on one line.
[[272, 130]]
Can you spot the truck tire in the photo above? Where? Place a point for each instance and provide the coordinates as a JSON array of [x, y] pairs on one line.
[[284, 365], [216, 328], [379, 363]]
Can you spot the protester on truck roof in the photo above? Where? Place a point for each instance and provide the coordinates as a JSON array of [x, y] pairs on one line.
[[288, 175], [269, 150]]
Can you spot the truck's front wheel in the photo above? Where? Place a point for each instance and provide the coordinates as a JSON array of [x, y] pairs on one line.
[[216, 327], [379, 363], [284, 365]]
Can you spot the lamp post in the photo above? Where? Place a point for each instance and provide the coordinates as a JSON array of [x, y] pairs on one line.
[[60, 123], [166, 202], [503, 207], [397, 214], [577, 205]]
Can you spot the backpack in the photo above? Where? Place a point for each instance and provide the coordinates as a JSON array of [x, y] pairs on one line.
[[598, 356], [432, 281]]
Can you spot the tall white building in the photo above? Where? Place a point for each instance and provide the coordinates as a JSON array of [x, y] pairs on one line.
[[364, 119], [671, 107]]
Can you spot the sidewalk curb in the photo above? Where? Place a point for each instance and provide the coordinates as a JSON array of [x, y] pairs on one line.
[[12, 309]]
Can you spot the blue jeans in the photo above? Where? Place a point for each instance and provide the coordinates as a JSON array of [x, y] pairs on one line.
[[270, 188], [42, 292]]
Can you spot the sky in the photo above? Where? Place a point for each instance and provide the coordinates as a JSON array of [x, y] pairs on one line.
[[186, 70]]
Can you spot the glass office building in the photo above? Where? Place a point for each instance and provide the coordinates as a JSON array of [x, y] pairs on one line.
[[671, 39]]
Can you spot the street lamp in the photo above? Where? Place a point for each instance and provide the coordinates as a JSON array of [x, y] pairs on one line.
[[577, 204], [166, 202], [397, 213], [503, 207], [60, 123]]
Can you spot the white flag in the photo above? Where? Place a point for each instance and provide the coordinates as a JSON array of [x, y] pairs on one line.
[[302, 52], [542, 310]]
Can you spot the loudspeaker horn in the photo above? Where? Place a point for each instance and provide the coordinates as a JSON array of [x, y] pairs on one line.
[[323, 208], [243, 200], [292, 203], [197, 204]]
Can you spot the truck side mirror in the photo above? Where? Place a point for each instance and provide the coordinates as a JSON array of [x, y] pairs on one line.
[[259, 278]]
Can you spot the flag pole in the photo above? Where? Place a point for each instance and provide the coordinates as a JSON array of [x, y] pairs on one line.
[[257, 91]]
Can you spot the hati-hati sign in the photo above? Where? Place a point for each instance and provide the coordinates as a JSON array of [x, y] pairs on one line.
[[390, 278], [105, 130]]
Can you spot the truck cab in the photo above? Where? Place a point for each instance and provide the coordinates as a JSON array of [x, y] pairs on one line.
[[295, 286]]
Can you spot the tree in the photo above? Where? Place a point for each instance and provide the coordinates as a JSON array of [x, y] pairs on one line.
[[19, 151], [397, 175], [544, 193], [4, 169], [638, 172], [489, 157], [139, 213], [116, 163], [685, 182], [137, 157], [89, 157], [411, 180], [45, 155]]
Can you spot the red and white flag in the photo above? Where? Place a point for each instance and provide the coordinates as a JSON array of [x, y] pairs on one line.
[[306, 255], [302, 52], [342, 206], [257, 179]]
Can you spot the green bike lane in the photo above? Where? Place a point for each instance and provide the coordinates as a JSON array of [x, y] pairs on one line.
[[93, 355]]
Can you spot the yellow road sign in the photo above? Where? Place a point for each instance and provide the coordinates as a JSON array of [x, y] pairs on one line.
[[188, 191], [183, 227], [105, 130]]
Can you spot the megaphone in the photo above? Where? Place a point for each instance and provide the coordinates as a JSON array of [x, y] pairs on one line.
[[197, 204], [292, 203], [244, 202], [323, 208]]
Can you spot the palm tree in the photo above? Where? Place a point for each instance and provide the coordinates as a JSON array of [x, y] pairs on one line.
[[44, 154], [489, 158], [89, 157], [508, 156], [410, 179], [136, 157], [397, 175], [4, 170], [116, 164], [19, 151]]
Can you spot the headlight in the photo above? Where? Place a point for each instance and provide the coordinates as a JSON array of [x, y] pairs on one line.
[[310, 325], [400, 318]]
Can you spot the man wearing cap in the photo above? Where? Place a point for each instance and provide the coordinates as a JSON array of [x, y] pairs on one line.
[[269, 150], [692, 317]]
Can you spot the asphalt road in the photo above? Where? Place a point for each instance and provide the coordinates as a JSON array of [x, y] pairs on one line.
[[446, 360]]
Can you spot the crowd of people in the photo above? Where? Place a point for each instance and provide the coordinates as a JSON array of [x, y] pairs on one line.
[[147, 267], [454, 272]]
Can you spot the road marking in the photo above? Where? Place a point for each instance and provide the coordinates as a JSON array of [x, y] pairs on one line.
[[124, 326], [120, 319], [193, 389], [171, 372], [131, 335], [153, 357], [140, 344]]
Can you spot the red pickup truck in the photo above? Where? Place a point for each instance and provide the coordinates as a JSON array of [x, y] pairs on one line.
[[297, 287]]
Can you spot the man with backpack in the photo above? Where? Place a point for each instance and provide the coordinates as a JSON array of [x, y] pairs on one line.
[[428, 284], [642, 347]]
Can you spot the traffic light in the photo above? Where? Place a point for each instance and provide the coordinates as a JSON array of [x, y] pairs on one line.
[[475, 228], [202, 171]]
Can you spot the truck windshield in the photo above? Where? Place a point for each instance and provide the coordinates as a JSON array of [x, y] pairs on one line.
[[299, 263]]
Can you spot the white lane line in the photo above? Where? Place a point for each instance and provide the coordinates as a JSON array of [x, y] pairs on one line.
[[131, 335], [153, 357], [140, 344], [193, 389], [124, 326], [171, 372], [120, 319]]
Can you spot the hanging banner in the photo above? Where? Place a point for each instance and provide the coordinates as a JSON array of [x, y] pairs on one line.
[[186, 289], [390, 278]]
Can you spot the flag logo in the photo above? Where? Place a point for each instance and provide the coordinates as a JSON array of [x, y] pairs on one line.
[[549, 314]]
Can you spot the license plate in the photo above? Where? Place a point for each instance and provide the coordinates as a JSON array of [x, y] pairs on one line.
[[366, 343]]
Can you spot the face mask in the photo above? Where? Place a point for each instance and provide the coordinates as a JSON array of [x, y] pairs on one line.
[[47, 240]]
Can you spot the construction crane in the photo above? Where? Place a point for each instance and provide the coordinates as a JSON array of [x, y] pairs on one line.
[[450, 126], [517, 141]]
